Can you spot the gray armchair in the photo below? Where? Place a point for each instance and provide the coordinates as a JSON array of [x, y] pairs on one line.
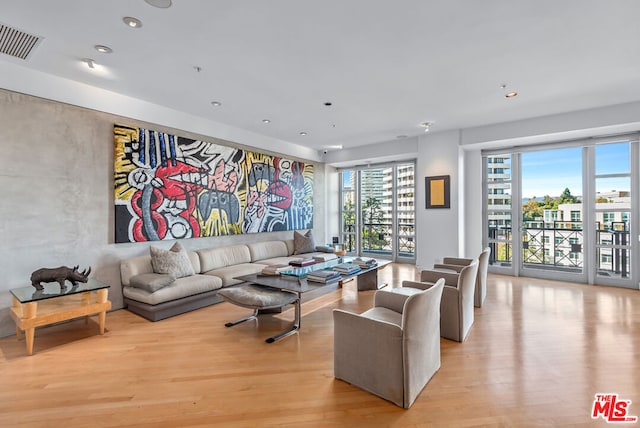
[[456, 308], [393, 349], [456, 264]]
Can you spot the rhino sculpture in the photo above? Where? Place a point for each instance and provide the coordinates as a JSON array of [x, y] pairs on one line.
[[59, 275]]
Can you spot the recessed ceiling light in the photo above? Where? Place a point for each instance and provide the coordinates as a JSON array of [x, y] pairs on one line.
[[216, 103], [90, 63], [103, 49], [162, 4], [303, 133], [132, 22], [328, 103], [426, 126], [266, 121], [510, 94]]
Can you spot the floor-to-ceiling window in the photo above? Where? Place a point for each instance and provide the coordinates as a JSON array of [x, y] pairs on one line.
[[551, 223], [377, 210], [565, 211], [498, 197]]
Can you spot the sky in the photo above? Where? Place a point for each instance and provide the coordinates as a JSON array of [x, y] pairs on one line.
[[549, 172]]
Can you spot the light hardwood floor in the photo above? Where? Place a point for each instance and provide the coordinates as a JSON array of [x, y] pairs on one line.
[[536, 355]]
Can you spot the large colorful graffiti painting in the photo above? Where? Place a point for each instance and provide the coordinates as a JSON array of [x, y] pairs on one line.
[[170, 187]]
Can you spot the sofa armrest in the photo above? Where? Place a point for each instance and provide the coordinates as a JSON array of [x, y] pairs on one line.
[[134, 266]]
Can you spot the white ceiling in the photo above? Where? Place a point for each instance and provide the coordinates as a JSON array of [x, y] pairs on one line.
[[385, 65]]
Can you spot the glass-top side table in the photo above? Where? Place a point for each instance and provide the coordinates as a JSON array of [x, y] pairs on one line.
[[53, 290], [33, 308]]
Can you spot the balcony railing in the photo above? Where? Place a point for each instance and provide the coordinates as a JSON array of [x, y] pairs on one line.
[[559, 246], [377, 238]]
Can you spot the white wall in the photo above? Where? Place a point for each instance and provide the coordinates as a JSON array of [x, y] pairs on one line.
[[437, 229], [471, 217], [332, 206], [57, 195]]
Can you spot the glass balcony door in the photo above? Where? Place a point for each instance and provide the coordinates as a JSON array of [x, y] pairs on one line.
[[378, 211], [613, 215], [569, 213], [498, 181], [551, 233], [376, 229]]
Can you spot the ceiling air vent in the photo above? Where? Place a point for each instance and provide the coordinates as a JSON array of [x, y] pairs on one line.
[[16, 42]]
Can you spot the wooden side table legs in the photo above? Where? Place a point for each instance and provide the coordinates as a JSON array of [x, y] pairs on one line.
[[102, 316], [29, 311]]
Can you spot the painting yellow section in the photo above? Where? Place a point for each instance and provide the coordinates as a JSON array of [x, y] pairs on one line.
[[123, 166], [437, 192]]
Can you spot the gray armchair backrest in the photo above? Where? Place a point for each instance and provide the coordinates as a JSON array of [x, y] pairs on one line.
[[481, 286], [421, 339], [466, 287]]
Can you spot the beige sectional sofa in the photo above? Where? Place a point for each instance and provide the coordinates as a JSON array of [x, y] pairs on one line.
[[214, 268]]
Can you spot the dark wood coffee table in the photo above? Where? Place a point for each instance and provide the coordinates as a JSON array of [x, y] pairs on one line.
[[295, 281]]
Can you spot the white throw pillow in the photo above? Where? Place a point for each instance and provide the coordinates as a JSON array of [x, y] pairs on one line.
[[174, 262]]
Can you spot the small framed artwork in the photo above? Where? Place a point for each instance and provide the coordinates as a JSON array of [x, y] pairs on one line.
[[438, 191]]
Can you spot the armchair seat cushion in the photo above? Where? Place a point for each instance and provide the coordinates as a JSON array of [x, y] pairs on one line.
[[406, 289], [384, 314]]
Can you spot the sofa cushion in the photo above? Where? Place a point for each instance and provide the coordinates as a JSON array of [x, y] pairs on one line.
[[267, 249], [215, 258], [303, 243], [151, 282], [181, 287], [228, 273], [289, 244], [279, 260], [286, 260], [174, 262]]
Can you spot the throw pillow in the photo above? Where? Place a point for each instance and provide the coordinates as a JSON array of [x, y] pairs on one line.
[[324, 249], [151, 282], [171, 262], [303, 243]]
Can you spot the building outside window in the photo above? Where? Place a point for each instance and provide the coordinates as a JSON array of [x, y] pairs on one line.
[[378, 210]]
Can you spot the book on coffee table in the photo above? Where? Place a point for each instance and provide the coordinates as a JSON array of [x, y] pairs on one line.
[[275, 269], [365, 262], [323, 275], [324, 257], [299, 262], [347, 268]]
